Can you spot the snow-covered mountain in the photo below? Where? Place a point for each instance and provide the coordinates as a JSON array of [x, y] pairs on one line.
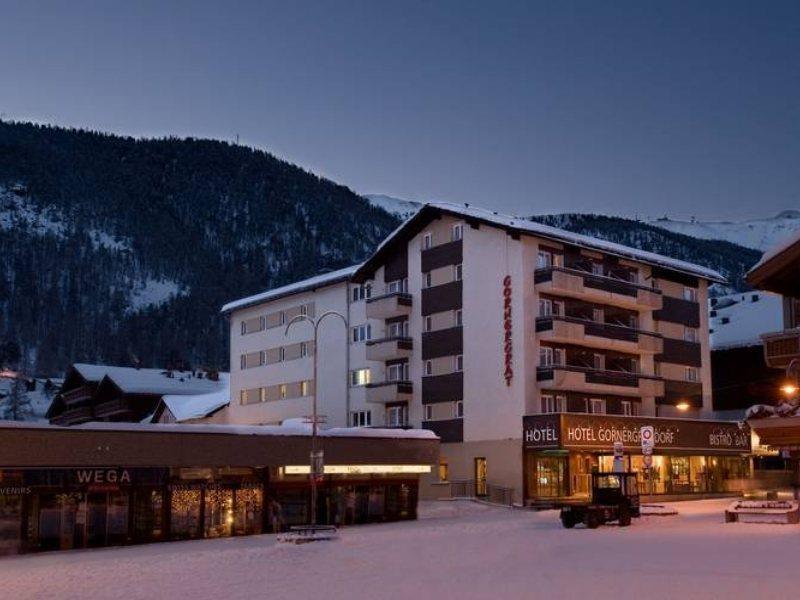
[[760, 234], [394, 206]]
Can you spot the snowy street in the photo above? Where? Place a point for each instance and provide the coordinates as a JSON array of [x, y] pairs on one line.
[[455, 550]]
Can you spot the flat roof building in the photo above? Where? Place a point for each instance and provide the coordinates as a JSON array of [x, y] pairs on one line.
[[467, 323]]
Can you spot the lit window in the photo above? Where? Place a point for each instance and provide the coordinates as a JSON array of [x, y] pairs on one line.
[[360, 377], [627, 408], [427, 241], [443, 471], [305, 388], [458, 272], [458, 232], [282, 391]]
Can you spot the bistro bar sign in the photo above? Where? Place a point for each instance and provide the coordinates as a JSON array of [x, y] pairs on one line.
[[599, 432]]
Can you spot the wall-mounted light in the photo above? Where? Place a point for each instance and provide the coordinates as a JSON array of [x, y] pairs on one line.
[[789, 389], [682, 406]]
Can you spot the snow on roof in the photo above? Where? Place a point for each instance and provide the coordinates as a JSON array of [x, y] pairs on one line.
[[534, 228], [740, 319], [305, 285], [268, 430], [197, 406], [776, 250], [149, 381]]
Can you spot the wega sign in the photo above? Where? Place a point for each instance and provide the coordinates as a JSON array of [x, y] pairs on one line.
[[508, 353]]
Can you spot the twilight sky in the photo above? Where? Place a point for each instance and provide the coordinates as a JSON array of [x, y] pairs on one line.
[[685, 108]]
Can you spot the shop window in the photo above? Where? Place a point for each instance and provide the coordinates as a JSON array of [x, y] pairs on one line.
[[185, 513]]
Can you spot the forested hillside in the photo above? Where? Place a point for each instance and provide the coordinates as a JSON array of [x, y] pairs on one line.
[[121, 250]]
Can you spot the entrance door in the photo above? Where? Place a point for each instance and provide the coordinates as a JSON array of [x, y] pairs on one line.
[[550, 476], [218, 512], [480, 476]]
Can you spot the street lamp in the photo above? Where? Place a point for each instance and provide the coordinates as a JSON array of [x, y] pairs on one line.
[[792, 383], [317, 458]]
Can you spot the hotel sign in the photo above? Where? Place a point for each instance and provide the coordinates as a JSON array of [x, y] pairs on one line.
[[508, 353], [600, 432]]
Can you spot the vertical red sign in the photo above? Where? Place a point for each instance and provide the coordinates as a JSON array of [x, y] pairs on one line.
[[508, 373]]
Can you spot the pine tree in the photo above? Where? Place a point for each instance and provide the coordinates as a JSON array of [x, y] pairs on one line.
[[17, 405]]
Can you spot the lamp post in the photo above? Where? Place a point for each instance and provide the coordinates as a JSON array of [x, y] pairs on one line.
[[791, 386], [316, 458]]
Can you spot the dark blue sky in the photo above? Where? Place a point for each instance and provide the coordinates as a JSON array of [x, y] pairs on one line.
[[618, 107]]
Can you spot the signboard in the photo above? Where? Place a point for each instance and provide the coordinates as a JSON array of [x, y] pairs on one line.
[[647, 434], [508, 354], [618, 449], [598, 432]]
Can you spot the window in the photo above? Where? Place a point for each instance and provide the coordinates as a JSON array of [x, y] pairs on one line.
[[361, 418], [427, 241], [545, 307], [362, 333], [397, 416], [304, 309], [544, 259], [362, 292], [690, 294], [243, 361], [397, 286], [305, 388], [690, 334], [427, 280], [553, 404], [428, 323], [458, 410], [458, 232], [458, 272], [429, 412], [282, 317], [459, 318], [598, 406], [360, 377], [303, 349], [398, 372], [598, 315], [262, 394], [692, 374], [627, 408], [399, 329], [546, 356], [597, 268], [428, 367], [281, 354], [443, 470], [253, 325], [282, 391], [599, 362], [459, 363]]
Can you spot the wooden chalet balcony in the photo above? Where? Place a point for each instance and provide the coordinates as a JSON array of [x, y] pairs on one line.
[[781, 347], [575, 283], [389, 391], [113, 408], [586, 380], [570, 330], [77, 395], [389, 348], [388, 306], [73, 416]]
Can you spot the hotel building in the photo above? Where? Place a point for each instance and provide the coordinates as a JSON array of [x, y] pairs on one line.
[[505, 337]]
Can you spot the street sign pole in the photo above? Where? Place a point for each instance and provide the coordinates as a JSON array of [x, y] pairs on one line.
[[647, 436]]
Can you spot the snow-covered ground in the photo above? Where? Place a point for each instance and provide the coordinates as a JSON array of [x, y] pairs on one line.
[[456, 550]]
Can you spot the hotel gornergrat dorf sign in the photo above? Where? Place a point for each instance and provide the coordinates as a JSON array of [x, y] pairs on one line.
[[508, 350], [599, 432]]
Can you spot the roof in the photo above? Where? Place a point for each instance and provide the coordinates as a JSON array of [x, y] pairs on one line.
[[306, 285], [738, 320], [524, 226], [197, 406], [267, 430], [148, 381], [778, 269]]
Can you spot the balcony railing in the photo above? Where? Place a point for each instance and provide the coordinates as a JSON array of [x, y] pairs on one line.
[[580, 378], [112, 407], [781, 347], [393, 304], [389, 391], [73, 416], [389, 348], [577, 282], [575, 330]]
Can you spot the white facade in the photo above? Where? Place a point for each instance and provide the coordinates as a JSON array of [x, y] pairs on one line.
[[451, 270]]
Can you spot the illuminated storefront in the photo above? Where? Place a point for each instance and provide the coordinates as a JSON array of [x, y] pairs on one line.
[[690, 456], [56, 495]]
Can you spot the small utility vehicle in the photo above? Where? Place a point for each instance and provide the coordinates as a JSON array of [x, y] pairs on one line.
[[615, 497]]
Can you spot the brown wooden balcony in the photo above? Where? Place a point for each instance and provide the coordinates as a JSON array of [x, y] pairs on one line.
[[576, 283], [582, 379], [389, 348], [570, 330], [73, 416], [389, 391], [780, 347], [388, 306], [113, 409]]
